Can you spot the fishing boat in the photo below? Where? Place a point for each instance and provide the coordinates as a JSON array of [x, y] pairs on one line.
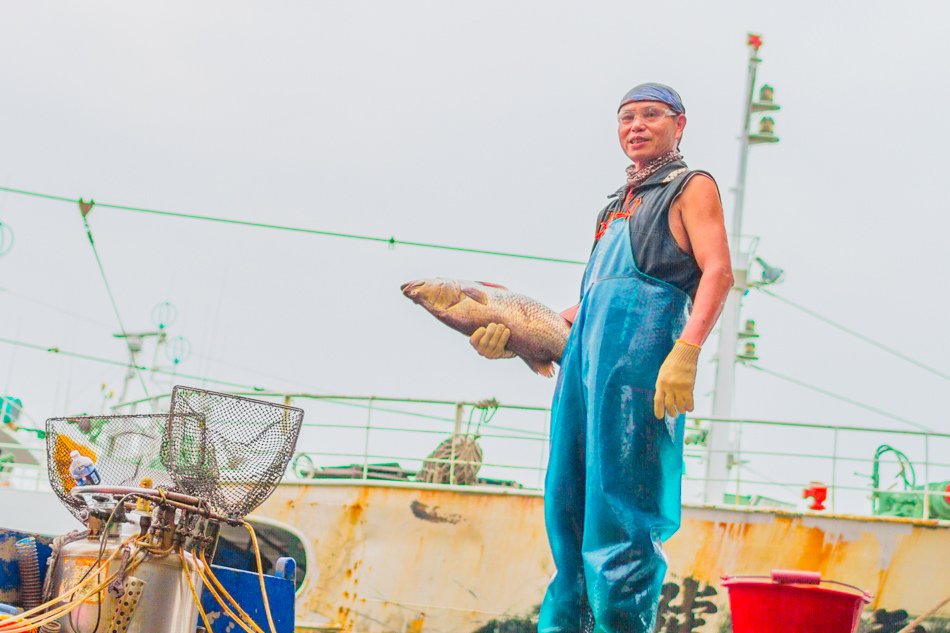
[[414, 515]]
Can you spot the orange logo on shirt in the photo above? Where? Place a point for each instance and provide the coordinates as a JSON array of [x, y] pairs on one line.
[[628, 209]]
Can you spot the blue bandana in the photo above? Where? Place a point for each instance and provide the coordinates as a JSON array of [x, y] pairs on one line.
[[654, 92]]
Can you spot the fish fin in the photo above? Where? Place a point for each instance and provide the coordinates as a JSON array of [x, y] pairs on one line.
[[546, 369], [476, 295], [491, 284]]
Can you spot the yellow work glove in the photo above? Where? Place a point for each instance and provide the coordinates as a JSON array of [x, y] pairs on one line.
[[490, 341], [675, 382]]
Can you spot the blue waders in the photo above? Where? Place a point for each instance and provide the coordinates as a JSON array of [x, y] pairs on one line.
[[612, 492]]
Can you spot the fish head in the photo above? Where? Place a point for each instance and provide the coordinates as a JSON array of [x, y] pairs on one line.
[[435, 295]]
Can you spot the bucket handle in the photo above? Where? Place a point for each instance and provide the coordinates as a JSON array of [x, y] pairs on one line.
[[799, 577], [796, 576]]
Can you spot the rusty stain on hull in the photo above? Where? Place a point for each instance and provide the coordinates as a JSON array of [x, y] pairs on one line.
[[381, 568], [424, 512]]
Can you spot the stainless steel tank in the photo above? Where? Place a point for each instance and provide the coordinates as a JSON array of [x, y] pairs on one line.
[[166, 604]]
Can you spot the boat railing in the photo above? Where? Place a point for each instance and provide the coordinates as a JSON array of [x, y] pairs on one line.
[[795, 466]]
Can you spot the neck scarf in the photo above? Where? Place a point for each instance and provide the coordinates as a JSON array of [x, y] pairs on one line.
[[636, 177]]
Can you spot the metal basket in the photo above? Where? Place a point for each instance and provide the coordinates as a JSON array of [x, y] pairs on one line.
[[228, 450], [125, 448]]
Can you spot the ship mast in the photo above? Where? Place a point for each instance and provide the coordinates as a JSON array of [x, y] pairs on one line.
[[723, 438]]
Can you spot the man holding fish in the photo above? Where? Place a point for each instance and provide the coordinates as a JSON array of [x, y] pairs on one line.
[[654, 286]]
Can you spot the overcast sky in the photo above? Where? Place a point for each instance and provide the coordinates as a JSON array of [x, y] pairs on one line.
[[485, 125]]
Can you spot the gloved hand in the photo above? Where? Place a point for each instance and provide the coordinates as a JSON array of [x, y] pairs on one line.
[[675, 382], [490, 342]]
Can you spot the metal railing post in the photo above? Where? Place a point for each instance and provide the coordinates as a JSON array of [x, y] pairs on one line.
[[369, 422], [542, 466], [738, 464], [459, 408], [926, 476], [834, 472]]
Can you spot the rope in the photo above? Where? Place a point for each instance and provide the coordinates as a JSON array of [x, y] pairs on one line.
[[391, 241], [836, 396], [857, 335], [913, 625]]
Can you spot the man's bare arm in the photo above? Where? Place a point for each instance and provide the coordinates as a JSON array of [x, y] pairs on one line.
[[703, 228]]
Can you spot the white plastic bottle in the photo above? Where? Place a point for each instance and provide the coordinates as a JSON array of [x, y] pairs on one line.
[[83, 470]]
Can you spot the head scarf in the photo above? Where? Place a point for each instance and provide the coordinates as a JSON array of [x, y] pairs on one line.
[[663, 94], [654, 92]]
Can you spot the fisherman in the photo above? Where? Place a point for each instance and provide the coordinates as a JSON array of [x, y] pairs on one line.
[[654, 286]]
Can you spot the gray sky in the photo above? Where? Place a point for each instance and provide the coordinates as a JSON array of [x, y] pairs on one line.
[[487, 125]]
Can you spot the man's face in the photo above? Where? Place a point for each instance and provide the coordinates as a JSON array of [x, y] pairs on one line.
[[648, 129]]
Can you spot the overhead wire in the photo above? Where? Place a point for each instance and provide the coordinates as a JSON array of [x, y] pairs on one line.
[[116, 363], [836, 396], [391, 241], [54, 308], [867, 339]]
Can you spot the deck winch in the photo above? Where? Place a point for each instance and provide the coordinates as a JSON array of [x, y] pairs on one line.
[[928, 501], [168, 483]]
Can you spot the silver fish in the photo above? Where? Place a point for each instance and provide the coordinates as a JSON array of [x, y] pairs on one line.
[[538, 333]]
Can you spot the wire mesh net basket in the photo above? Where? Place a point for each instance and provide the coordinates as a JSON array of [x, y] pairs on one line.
[[227, 450], [125, 449]]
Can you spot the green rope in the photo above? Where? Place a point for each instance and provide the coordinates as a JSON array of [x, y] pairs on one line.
[[391, 241]]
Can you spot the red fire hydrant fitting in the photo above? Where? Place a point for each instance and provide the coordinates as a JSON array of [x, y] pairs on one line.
[[818, 492]]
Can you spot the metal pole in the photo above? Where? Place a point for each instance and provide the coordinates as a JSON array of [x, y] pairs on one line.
[[744, 150], [720, 441]]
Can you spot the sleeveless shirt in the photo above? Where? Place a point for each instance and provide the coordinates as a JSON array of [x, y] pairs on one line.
[[647, 210]]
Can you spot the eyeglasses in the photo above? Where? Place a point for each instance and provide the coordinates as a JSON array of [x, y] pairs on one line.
[[647, 115]]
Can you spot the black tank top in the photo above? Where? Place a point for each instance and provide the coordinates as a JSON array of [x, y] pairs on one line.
[[655, 250]]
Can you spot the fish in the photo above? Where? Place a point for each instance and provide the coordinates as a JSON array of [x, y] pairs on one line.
[[538, 333]]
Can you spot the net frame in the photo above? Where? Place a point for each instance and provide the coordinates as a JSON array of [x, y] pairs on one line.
[[125, 449], [229, 451]]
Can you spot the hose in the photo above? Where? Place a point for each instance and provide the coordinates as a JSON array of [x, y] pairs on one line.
[[23, 623], [31, 590], [260, 576], [194, 594], [215, 583], [249, 628]]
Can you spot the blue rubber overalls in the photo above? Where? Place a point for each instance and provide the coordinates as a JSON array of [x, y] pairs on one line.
[[612, 490]]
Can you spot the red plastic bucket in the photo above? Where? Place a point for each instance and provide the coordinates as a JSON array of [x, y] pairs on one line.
[[791, 601]]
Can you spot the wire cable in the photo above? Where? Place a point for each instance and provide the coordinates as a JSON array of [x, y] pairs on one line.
[[54, 308], [836, 396], [116, 363], [115, 306], [857, 335], [391, 241]]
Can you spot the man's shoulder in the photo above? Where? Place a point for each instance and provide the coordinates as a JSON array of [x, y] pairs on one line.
[[697, 187]]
